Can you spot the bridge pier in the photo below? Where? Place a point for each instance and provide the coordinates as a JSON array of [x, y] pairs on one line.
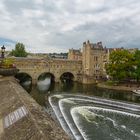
[[57, 80], [88, 79], [34, 81]]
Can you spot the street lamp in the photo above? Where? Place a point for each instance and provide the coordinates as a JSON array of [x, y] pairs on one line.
[[2, 51]]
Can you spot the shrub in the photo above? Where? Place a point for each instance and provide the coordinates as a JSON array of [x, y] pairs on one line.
[[7, 63]]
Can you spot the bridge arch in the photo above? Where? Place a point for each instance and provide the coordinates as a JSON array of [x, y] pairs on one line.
[[45, 81], [44, 75], [23, 77], [67, 77]]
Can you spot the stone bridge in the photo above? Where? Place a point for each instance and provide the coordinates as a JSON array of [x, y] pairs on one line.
[[34, 67]]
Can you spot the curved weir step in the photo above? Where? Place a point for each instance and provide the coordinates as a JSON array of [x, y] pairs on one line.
[[91, 118]]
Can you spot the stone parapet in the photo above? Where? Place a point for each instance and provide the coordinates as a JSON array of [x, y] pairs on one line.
[[21, 118]]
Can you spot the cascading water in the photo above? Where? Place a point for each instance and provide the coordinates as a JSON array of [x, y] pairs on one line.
[[99, 123], [92, 118]]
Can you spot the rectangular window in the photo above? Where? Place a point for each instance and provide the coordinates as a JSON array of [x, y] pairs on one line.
[[95, 58]]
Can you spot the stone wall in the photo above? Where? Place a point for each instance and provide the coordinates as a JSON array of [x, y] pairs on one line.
[[35, 67], [21, 118], [95, 56]]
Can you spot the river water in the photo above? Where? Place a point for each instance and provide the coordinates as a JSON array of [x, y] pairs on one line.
[[88, 112]]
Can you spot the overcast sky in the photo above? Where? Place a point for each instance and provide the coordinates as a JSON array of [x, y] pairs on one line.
[[57, 25]]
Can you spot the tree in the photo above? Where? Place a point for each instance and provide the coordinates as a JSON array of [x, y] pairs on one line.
[[121, 65], [19, 50], [137, 65]]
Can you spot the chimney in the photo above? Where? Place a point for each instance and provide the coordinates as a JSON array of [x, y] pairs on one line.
[[88, 42]]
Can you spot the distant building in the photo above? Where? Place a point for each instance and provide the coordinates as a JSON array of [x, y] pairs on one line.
[[132, 50], [37, 55], [74, 54], [58, 55]]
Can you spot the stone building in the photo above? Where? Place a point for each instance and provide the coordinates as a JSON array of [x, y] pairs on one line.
[[75, 54], [93, 57]]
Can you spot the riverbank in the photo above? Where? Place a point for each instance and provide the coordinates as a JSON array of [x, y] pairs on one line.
[[21, 118], [124, 87]]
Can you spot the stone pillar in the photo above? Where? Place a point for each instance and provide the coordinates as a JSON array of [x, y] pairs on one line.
[[57, 80], [34, 81], [88, 79]]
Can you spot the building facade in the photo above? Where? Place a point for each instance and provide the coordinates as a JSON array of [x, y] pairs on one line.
[[75, 54], [93, 57]]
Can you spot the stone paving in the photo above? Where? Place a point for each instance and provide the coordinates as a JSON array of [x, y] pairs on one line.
[[21, 118]]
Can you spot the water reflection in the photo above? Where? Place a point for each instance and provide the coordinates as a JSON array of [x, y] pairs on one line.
[[25, 80], [27, 85], [44, 85], [40, 91]]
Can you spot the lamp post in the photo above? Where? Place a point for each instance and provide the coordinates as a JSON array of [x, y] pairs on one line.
[[2, 51]]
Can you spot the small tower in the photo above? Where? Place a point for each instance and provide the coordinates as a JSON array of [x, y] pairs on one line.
[[86, 57]]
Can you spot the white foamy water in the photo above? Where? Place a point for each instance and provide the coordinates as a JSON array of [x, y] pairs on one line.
[[102, 101], [79, 115], [67, 117], [59, 115], [96, 116]]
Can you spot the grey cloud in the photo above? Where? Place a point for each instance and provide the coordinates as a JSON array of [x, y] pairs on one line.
[[53, 25], [16, 6]]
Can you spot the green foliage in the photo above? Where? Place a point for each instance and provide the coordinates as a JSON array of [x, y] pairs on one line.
[[121, 65], [137, 65], [111, 83], [7, 63], [19, 50]]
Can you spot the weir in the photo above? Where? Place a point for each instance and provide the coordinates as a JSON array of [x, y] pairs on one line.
[[93, 118]]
